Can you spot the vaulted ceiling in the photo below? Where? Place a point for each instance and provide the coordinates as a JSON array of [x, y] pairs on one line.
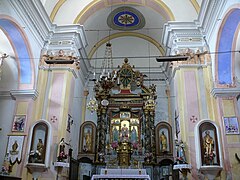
[[134, 27], [128, 39]]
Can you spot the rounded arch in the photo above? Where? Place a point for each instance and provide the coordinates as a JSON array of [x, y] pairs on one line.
[[21, 47], [226, 43], [94, 6], [121, 34]]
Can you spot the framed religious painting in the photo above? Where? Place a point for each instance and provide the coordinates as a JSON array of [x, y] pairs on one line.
[[231, 125], [164, 143], [19, 122], [88, 131]]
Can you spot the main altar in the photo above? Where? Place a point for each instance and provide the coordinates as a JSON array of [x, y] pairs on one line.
[[124, 136]]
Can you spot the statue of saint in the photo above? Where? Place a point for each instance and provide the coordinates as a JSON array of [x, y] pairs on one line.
[[208, 143], [163, 142], [40, 148], [182, 155], [124, 132], [88, 140], [133, 135], [115, 134]]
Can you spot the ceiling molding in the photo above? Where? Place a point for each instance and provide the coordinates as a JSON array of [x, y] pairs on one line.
[[24, 94], [164, 10], [195, 5], [122, 34], [56, 9]]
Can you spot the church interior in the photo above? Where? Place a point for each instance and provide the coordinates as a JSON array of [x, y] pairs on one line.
[[120, 89]]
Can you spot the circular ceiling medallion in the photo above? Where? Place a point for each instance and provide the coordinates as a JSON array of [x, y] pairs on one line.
[[126, 18]]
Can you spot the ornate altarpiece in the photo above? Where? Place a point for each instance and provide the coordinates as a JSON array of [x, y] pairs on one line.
[[125, 119]]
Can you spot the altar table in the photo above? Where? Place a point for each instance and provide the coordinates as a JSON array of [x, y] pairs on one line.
[[118, 176]]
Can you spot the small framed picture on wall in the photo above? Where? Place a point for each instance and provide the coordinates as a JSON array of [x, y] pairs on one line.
[[19, 122], [231, 125]]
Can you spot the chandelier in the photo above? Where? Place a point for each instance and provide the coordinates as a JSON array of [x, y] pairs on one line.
[[92, 105], [106, 79], [107, 72], [150, 103], [108, 75]]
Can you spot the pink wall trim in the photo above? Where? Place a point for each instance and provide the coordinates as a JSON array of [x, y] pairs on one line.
[[192, 161], [234, 45], [72, 86], [191, 94], [225, 17], [55, 101], [226, 161]]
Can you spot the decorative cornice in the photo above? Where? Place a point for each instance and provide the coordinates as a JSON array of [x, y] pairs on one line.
[[225, 92], [5, 95], [72, 70], [24, 94], [208, 15], [19, 94], [33, 15], [48, 35], [192, 34]]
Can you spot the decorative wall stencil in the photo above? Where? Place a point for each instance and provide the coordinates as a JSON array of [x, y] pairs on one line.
[[193, 119], [231, 125], [19, 123], [14, 148], [126, 18], [54, 119]]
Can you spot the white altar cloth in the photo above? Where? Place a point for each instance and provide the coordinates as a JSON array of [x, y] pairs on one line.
[[122, 174], [118, 176], [123, 171]]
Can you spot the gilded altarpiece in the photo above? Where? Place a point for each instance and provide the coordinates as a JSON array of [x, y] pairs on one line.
[[125, 125]]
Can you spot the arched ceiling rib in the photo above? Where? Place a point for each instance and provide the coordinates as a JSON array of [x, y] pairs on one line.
[[121, 34], [93, 15]]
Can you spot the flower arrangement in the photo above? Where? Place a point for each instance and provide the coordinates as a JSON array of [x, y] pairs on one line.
[[148, 157], [135, 145], [209, 158], [35, 157], [62, 156], [114, 144]]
